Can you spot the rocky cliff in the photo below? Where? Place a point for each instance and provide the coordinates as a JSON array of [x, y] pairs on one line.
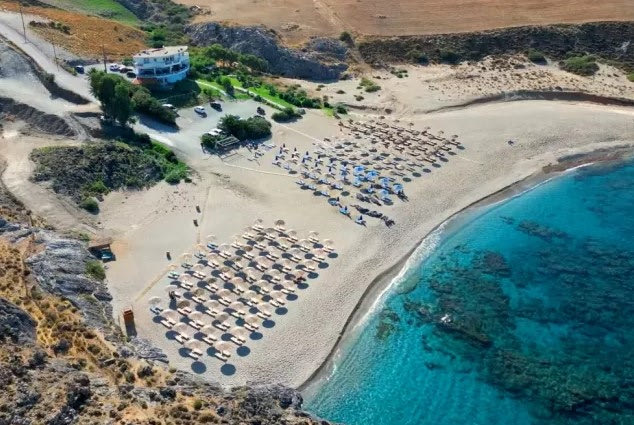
[[319, 59]]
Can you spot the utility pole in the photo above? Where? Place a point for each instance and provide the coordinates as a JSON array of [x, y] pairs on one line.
[[103, 49], [55, 56], [23, 26]]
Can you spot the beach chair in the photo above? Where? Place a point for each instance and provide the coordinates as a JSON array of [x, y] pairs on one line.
[[198, 275], [185, 311], [197, 299], [181, 338], [195, 324], [173, 275], [168, 323], [156, 310]]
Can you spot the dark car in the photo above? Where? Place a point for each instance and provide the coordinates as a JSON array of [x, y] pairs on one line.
[[131, 74], [216, 105], [260, 110], [79, 69]]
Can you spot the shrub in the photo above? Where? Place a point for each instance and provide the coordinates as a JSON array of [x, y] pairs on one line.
[[536, 56], [173, 177], [581, 65], [208, 141], [198, 404], [288, 114], [95, 270], [449, 56], [369, 85], [243, 129], [630, 76], [346, 38], [417, 56], [90, 205], [340, 109]]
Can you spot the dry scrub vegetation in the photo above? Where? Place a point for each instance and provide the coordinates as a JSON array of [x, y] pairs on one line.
[[87, 34]]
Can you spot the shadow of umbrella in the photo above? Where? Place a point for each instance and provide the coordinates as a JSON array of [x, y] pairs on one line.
[[243, 351], [198, 367], [228, 369]]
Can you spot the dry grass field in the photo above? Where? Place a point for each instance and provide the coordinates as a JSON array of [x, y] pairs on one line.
[[296, 20], [87, 33]]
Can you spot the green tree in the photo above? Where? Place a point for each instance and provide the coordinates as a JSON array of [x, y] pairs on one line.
[[122, 104], [227, 86]]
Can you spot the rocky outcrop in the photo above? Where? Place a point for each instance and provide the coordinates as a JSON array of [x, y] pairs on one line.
[[320, 59], [36, 119], [610, 40], [15, 324]]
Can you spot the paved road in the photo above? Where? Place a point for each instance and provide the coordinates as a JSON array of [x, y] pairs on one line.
[[42, 52]]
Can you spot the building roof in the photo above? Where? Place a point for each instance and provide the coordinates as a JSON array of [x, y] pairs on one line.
[[227, 142], [161, 51]]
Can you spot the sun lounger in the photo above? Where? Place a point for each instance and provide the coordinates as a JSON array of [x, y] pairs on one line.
[[212, 287], [173, 275], [199, 255], [225, 277], [198, 275], [288, 291], [167, 323], [195, 354], [224, 301], [196, 324], [261, 268], [251, 327], [225, 255], [182, 338], [187, 265], [156, 310], [185, 311], [197, 300], [259, 246]]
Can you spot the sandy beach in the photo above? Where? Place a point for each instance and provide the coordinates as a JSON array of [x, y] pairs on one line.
[[233, 192]]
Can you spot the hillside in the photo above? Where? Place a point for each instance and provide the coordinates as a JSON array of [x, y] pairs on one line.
[[296, 20]]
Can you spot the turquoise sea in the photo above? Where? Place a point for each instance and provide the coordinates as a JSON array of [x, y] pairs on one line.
[[522, 314]]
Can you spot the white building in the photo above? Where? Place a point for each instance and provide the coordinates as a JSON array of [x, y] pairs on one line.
[[166, 65]]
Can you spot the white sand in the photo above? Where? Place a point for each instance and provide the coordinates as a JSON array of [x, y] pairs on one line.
[[147, 224]]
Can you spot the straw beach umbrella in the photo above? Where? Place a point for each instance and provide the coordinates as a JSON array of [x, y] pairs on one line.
[[171, 315], [240, 333], [211, 332], [155, 301], [213, 307]]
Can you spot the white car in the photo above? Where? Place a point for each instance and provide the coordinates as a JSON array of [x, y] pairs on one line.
[[215, 132], [169, 106], [200, 110], [114, 67]]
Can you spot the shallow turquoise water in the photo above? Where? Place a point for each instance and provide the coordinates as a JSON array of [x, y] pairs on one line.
[[522, 315]]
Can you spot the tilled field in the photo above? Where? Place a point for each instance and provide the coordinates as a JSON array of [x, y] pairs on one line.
[[297, 20]]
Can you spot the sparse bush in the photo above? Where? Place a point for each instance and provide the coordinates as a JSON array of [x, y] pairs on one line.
[[288, 114], [369, 85], [90, 205], [347, 38], [449, 56], [198, 404], [630, 76], [536, 56], [581, 65], [417, 56], [95, 270]]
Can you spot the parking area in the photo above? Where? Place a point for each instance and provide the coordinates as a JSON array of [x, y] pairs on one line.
[[191, 125]]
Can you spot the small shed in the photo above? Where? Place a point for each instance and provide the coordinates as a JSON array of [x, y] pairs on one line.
[[100, 248], [227, 143]]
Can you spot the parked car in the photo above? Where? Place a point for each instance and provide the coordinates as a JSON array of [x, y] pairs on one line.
[[200, 110], [131, 74], [215, 132], [260, 110], [114, 67], [169, 106], [216, 105], [124, 69], [79, 69]]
